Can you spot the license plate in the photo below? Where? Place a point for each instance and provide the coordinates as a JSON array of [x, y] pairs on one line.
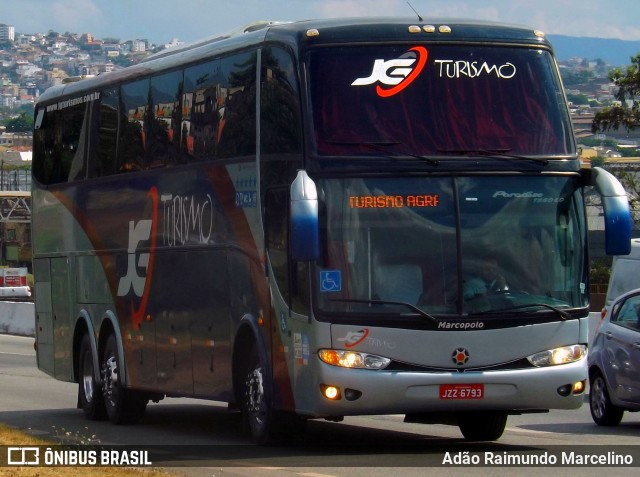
[[461, 391]]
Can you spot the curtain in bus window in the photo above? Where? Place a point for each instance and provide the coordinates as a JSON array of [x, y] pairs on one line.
[[511, 101], [134, 112]]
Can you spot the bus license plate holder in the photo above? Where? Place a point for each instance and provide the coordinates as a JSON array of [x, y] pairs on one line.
[[462, 391]]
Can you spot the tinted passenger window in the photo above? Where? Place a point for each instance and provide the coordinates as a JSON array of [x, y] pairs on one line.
[[200, 110], [237, 106], [60, 144], [164, 122], [280, 105], [219, 108], [103, 157], [134, 114]]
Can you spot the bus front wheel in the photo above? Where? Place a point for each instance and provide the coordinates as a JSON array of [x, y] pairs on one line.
[[265, 425], [482, 426], [123, 406], [256, 407], [89, 393]]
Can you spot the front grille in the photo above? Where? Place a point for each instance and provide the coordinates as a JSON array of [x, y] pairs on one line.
[[415, 368]]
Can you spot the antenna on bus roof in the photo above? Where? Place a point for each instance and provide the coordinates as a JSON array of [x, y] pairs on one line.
[[414, 11]]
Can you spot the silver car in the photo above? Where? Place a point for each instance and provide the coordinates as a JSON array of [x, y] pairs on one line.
[[614, 361]]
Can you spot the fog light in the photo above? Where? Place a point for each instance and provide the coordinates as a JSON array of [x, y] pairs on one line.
[[330, 392], [579, 387], [565, 390]]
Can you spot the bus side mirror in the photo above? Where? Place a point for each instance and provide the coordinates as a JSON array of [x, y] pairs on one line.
[[304, 219], [617, 216]]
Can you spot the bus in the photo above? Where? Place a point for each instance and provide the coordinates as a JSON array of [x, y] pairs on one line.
[[296, 219]]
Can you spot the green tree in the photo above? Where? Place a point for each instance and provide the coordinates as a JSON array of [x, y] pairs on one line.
[[20, 124], [631, 183], [578, 99], [575, 78], [622, 114]]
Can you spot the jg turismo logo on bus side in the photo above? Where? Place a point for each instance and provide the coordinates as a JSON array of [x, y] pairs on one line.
[[140, 232], [395, 75]]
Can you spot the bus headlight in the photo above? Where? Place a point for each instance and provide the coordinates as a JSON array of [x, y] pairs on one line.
[[353, 359], [562, 355]]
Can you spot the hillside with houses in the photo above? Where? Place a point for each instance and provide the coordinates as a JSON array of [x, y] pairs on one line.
[[32, 62]]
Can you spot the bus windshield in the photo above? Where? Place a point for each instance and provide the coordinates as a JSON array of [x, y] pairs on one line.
[[440, 100], [461, 245]]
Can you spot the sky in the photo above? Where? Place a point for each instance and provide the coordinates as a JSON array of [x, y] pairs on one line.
[[160, 21]]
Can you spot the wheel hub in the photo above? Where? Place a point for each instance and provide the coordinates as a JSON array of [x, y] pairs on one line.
[[110, 377], [598, 398], [255, 391]]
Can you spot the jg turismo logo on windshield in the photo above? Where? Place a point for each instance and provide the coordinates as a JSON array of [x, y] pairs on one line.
[[392, 76]]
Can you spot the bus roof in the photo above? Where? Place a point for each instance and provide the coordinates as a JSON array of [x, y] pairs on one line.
[[374, 29], [314, 32]]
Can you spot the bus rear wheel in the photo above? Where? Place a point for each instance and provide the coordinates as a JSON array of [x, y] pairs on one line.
[[90, 396], [482, 426], [123, 406]]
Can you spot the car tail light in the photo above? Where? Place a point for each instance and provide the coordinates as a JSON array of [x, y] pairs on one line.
[[603, 313]]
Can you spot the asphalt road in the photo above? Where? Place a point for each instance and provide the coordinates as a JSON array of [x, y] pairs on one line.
[[201, 438]]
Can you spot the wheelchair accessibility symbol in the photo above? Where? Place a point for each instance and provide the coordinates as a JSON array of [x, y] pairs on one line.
[[330, 281]]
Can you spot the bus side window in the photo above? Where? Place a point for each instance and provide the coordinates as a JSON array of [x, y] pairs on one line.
[[201, 102], [102, 158], [236, 107], [78, 141], [59, 142], [164, 120], [44, 146], [280, 116], [134, 113]]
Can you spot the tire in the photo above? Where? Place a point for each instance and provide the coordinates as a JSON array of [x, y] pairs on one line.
[[264, 425], [90, 397], [603, 412], [482, 426], [123, 406]]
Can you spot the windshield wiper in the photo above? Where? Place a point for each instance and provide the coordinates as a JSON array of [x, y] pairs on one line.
[[500, 153], [563, 314], [385, 302], [377, 147], [381, 146]]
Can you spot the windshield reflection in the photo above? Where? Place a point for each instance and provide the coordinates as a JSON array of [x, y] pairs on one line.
[[393, 242]]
